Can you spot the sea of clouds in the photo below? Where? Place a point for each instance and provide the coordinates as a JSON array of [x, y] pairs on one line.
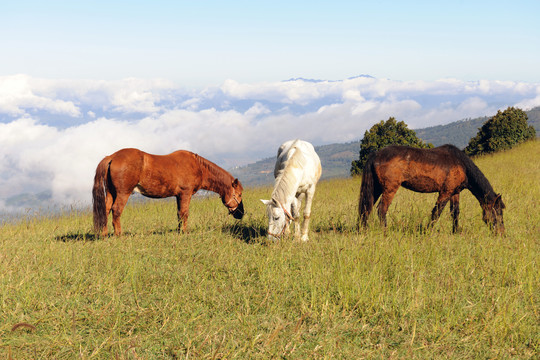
[[54, 132]]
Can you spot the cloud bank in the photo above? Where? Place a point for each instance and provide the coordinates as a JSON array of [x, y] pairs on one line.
[[54, 132]]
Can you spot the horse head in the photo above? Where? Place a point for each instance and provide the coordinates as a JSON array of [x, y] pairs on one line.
[[233, 200], [492, 214], [278, 219]]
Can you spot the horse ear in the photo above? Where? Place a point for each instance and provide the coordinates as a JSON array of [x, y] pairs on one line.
[[266, 202], [499, 202], [236, 184]]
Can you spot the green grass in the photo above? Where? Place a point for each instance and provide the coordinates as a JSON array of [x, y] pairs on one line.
[[223, 291]]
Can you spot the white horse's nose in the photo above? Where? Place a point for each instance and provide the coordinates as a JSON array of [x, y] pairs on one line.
[[273, 238]]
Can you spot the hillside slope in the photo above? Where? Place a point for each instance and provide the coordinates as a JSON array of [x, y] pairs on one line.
[[222, 291], [336, 158]]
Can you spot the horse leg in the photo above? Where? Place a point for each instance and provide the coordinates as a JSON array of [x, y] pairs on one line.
[[442, 200], [182, 204], [307, 213], [117, 208], [295, 212], [364, 213], [454, 209], [384, 204], [109, 200]]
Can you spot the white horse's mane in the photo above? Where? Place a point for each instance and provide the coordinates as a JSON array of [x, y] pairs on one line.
[[287, 179]]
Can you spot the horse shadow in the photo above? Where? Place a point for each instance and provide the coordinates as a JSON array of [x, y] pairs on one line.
[[250, 234], [78, 236], [167, 231], [336, 225]]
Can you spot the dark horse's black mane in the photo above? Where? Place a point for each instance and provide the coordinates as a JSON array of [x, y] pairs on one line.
[[477, 183]]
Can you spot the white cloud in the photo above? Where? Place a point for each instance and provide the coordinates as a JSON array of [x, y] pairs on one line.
[[20, 92], [473, 106], [256, 110], [294, 91], [230, 125], [135, 95], [530, 102]]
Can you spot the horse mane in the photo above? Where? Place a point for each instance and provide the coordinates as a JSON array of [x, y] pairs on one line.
[[220, 180], [478, 184], [287, 181]]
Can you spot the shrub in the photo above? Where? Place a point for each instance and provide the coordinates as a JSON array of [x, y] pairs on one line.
[[382, 134], [501, 132]]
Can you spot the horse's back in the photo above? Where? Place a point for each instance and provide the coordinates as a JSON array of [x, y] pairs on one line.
[[127, 160], [308, 159], [422, 170], [445, 155], [153, 175], [284, 153], [127, 153], [138, 159]]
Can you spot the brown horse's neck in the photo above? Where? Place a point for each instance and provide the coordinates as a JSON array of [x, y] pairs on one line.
[[483, 197], [214, 178], [479, 185]]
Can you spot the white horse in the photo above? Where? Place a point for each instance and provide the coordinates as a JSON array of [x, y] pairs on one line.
[[297, 170]]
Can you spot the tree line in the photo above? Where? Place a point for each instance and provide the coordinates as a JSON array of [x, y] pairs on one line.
[[501, 132]]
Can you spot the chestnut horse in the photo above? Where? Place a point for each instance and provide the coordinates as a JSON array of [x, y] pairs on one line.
[[180, 174], [444, 169]]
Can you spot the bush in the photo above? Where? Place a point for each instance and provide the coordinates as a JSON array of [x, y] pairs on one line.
[[501, 132], [385, 133]]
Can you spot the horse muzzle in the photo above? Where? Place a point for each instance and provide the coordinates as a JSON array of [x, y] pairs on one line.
[[238, 212], [498, 228]]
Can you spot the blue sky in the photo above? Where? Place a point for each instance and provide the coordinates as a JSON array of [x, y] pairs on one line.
[[202, 43]]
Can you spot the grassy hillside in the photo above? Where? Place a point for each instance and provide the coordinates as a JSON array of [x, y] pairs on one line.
[[335, 161], [460, 132], [222, 291], [336, 158]]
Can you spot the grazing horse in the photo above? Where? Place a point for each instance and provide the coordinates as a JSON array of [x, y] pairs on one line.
[[297, 170], [180, 174], [444, 169]]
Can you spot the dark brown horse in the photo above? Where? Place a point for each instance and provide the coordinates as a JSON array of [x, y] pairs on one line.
[[180, 174], [445, 169]]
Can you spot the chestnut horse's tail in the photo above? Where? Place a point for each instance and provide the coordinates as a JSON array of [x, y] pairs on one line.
[[99, 193], [367, 190]]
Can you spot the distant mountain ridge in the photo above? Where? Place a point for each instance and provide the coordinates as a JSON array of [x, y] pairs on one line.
[[319, 80], [336, 158]]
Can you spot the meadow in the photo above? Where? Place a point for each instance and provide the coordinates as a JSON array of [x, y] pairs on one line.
[[222, 291]]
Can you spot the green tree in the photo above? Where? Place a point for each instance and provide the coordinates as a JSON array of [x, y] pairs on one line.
[[501, 132], [389, 132]]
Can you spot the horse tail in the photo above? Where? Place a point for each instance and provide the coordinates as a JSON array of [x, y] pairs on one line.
[[99, 193], [367, 190]]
